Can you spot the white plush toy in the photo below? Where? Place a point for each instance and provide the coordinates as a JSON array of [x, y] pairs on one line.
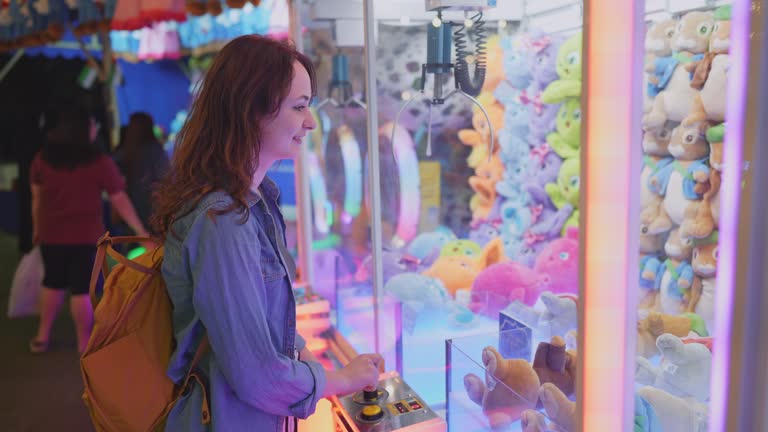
[[658, 43], [676, 413], [684, 370]]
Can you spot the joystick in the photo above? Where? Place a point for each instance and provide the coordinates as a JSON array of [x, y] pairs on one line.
[[370, 395]]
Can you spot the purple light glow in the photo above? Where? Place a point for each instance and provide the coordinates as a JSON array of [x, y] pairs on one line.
[[730, 190]]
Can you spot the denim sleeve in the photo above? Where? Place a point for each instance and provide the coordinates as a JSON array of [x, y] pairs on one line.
[[230, 299]]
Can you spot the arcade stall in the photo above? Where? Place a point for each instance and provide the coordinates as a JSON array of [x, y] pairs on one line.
[[519, 281]]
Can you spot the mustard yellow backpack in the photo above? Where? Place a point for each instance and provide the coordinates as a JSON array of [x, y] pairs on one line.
[[124, 365]]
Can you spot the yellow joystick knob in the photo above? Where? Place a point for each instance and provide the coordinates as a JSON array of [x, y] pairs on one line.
[[372, 412]]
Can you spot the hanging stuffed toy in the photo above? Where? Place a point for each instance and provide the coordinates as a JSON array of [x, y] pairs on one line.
[[686, 179], [703, 290], [701, 218], [569, 70], [658, 45], [676, 96], [651, 259], [675, 276], [565, 193], [657, 158], [710, 74], [566, 140]]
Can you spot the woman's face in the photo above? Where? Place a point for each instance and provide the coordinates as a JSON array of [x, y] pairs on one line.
[[282, 136]]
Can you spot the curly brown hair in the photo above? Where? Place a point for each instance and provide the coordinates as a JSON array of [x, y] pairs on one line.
[[218, 147]]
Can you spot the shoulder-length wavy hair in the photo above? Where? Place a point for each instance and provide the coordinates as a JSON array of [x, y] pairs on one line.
[[218, 147]]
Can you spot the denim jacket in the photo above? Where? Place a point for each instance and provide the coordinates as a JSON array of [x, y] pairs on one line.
[[230, 279]]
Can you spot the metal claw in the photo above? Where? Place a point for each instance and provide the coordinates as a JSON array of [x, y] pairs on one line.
[[487, 118], [397, 121]]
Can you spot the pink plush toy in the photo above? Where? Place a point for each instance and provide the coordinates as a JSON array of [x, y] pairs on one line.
[[558, 263], [501, 284]]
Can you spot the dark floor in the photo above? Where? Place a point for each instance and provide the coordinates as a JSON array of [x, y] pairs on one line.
[[40, 392]]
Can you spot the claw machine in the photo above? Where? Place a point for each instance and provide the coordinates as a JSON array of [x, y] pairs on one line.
[[478, 236]]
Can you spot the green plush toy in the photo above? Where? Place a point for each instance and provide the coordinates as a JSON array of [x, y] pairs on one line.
[[569, 70], [566, 191], [461, 248], [566, 140]]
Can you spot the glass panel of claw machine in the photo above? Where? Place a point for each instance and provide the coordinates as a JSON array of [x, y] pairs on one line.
[[336, 151], [479, 137], [683, 121]]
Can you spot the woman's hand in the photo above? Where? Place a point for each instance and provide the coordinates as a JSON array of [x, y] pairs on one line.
[[361, 372]]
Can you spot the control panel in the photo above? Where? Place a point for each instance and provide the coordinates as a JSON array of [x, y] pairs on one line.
[[392, 406]]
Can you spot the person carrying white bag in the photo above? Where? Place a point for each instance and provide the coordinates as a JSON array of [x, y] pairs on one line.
[[27, 284]]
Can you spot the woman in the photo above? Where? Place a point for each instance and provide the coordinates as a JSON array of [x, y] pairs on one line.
[[67, 179], [143, 162], [226, 266]]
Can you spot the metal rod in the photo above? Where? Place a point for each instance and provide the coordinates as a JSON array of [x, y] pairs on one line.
[[397, 121], [373, 166], [11, 63], [303, 201]]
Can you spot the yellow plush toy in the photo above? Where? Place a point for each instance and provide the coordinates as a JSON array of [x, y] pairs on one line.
[[479, 136], [457, 272], [487, 174]]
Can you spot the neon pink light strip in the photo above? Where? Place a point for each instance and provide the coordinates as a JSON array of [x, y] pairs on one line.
[[730, 191]]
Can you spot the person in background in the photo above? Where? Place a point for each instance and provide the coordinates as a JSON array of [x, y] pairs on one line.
[[226, 267], [68, 177], [142, 161]]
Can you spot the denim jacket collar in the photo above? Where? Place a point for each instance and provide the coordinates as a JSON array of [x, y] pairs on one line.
[[268, 187]]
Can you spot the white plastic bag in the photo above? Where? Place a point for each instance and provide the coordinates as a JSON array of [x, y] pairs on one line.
[[27, 285]]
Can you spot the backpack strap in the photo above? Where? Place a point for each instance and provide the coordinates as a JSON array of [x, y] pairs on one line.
[[203, 348], [104, 248]]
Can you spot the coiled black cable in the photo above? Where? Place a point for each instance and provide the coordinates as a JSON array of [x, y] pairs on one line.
[[470, 85]]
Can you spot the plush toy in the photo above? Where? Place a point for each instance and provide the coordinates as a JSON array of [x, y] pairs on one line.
[[478, 138], [710, 74], [487, 174], [562, 412], [543, 169], [702, 218], [520, 249], [675, 276], [675, 96], [704, 265], [569, 70], [494, 70], [517, 71], [393, 261], [657, 157], [418, 292], [511, 387], [554, 364], [500, 284], [565, 141], [565, 193], [658, 44], [484, 232], [675, 413], [429, 244], [543, 57], [559, 262], [543, 51], [559, 316], [459, 272], [684, 370], [686, 179], [461, 247], [656, 324], [651, 251]]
